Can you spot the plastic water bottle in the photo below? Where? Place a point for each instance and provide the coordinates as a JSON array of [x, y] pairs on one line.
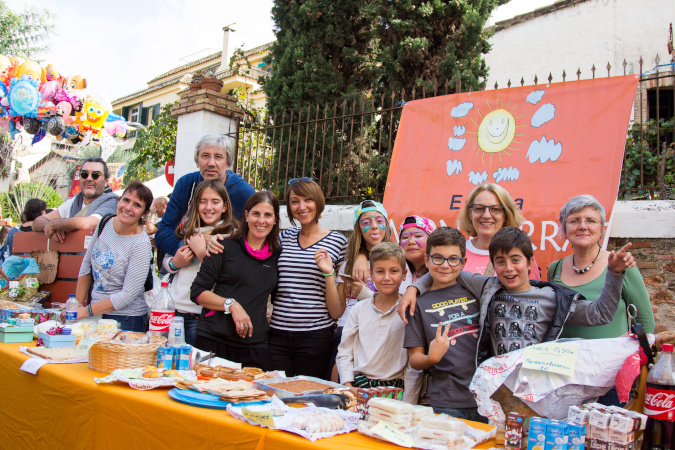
[[162, 312], [71, 309], [177, 332]]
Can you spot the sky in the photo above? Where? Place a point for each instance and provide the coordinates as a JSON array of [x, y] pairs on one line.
[[120, 46]]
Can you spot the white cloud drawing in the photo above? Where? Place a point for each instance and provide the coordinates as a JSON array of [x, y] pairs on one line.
[[454, 166], [478, 177], [535, 96], [506, 174], [544, 150], [461, 110], [456, 143], [459, 130], [543, 115]]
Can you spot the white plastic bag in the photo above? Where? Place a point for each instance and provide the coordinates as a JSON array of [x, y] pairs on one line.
[[156, 286]]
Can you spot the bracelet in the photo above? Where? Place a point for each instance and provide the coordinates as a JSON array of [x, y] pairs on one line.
[[91, 313], [332, 272], [171, 264]]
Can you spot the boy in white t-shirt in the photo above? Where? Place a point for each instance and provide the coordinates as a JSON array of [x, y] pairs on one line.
[[371, 352]]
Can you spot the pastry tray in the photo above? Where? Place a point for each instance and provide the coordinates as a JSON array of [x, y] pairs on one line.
[[264, 385]]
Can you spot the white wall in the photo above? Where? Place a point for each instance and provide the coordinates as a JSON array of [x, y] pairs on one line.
[[632, 219], [579, 36]]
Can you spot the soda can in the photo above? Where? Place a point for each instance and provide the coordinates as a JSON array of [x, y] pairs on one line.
[[161, 351]]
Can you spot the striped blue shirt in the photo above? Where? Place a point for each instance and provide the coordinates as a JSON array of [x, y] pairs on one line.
[[300, 302]]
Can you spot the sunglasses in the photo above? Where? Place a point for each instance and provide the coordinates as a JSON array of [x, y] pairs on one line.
[[297, 180], [84, 174]]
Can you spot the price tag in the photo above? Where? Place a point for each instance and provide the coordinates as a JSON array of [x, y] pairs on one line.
[[87, 240], [551, 357], [86, 343], [391, 434], [32, 365], [261, 417]]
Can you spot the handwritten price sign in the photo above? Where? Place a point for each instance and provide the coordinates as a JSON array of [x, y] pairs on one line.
[[261, 417], [551, 357], [392, 434]]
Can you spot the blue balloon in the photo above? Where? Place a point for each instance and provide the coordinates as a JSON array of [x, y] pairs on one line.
[[24, 97]]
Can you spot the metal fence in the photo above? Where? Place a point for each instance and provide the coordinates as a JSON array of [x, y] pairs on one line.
[[346, 147]]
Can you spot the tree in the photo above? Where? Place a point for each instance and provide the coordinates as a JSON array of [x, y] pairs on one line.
[[13, 202], [154, 147], [25, 34]]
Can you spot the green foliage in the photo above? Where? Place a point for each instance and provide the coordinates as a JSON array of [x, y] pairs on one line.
[[154, 147], [642, 153], [13, 202], [25, 34]]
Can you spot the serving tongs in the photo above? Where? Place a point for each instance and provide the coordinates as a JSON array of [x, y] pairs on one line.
[[331, 401], [200, 359]]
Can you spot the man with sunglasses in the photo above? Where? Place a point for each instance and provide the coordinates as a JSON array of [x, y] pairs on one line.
[[83, 211], [214, 155]]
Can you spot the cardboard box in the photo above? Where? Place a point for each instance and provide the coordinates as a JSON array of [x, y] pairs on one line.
[[16, 334], [576, 436], [536, 435], [556, 435], [57, 340]]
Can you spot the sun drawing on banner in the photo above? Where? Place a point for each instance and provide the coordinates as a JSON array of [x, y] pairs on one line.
[[497, 131]]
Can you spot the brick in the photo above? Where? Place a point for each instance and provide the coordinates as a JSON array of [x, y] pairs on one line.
[[641, 244], [662, 297], [648, 265], [670, 267], [664, 257], [655, 280], [660, 329]]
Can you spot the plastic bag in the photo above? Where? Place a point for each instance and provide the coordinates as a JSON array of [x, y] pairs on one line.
[[550, 394], [15, 266], [156, 286]]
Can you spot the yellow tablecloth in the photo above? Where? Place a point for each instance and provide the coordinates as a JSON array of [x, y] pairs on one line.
[[61, 407]]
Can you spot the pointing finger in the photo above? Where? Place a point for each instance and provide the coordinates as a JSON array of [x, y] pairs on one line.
[[625, 247]]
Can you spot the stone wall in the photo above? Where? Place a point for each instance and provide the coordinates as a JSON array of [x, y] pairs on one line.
[[656, 261]]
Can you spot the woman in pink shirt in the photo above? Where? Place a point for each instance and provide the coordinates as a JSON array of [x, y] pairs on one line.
[[488, 208]]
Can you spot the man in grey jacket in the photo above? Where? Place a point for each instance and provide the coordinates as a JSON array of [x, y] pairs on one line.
[[83, 211]]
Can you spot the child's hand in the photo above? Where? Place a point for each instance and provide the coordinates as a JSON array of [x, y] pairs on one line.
[[323, 260], [408, 300], [353, 288], [619, 261], [440, 344], [213, 246], [197, 244], [183, 257], [361, 269]]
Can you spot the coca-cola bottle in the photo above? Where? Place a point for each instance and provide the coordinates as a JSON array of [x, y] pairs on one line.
[[660, 403], [162, 312]]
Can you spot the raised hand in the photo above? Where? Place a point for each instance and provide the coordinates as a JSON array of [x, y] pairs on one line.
[[440, 344], [183, 257], [323, 260], [619, 261]]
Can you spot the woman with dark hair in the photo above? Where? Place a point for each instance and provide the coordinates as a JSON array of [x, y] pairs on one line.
[[117, 263], [233, 287], [33, 209], [307, 303]]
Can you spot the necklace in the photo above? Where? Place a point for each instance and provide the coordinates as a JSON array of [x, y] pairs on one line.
[[580, 271]]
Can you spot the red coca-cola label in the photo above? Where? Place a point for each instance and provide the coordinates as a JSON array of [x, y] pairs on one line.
[[660, 403], [161, 320]]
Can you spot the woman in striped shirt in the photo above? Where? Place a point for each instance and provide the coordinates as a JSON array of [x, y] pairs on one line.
[[306, 303]]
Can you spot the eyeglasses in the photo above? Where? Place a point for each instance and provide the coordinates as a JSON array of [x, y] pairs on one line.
[[297, 180], [577, 222], [495, 210], [84, 174], [437, 259]]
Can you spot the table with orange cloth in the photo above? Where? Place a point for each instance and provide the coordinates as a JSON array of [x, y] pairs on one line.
[[62, 407]]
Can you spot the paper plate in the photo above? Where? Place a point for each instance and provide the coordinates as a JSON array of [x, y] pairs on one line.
[[195, 398]]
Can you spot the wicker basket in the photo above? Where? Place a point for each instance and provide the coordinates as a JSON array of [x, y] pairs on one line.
[[106, 356], [27, 292]]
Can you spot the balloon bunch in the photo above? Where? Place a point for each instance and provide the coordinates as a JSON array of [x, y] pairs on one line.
[[40, 101]]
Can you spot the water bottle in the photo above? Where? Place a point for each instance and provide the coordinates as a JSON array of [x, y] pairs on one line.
[[162, 312], [177, 332], [71, 309]]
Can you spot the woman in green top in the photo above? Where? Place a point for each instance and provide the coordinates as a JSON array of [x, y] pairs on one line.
[[582, 221]]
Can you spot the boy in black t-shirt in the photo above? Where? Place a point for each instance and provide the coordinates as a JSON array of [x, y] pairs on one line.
[[443, 333]]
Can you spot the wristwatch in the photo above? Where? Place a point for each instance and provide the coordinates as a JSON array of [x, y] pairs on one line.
[[226, 305]]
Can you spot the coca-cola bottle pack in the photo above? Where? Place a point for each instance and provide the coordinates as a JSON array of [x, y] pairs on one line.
[[162, 312], [660, 403]]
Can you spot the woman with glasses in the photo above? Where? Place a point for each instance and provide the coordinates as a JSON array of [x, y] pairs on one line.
[[582, 221], [306, 303], [487, 210]]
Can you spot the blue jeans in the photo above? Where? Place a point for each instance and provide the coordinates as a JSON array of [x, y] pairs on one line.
[[462, 413], [130, 323], [190, 325], [611, 398]]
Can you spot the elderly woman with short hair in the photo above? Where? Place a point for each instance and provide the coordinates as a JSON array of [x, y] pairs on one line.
[[582, 221]]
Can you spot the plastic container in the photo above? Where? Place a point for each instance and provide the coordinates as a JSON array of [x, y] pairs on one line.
[[16, 334]]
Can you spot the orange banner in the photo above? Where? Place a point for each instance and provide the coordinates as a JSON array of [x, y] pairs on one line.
[[544, 144]]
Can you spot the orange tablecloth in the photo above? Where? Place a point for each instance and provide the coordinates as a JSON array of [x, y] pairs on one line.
[[62, 407]]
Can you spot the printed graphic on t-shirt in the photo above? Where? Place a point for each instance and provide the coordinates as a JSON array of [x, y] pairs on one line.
[[463, 314], [102, 260], [440, 307], [514, 322]]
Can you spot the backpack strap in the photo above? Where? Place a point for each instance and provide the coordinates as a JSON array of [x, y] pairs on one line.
[[102, 223]]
